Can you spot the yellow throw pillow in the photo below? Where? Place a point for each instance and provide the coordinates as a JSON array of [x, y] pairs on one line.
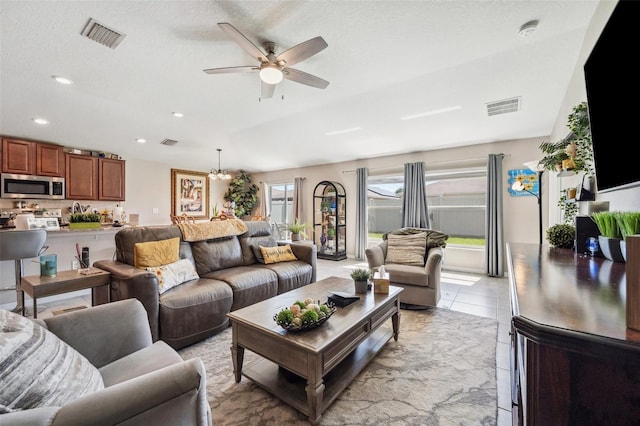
[[156, 253], [277, 254]]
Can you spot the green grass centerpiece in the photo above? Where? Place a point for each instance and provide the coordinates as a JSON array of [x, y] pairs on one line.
[[84, 221]]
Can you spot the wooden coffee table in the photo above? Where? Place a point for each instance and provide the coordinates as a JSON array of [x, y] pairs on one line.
[[324, 360]]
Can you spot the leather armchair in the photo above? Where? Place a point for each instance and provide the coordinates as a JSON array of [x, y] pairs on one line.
[[145, 383]]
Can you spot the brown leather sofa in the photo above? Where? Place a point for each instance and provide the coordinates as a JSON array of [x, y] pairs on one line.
[[230, 278]]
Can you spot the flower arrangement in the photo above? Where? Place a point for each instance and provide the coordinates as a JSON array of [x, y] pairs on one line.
[[303, 315]]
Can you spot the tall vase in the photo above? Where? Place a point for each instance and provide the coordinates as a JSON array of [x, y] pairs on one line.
[[610, 248]]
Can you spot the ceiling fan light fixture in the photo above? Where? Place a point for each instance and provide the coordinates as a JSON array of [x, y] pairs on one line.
[[219, 174], [271, 74]]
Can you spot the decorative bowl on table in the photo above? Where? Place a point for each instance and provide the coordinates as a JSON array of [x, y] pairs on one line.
[[304, 315]]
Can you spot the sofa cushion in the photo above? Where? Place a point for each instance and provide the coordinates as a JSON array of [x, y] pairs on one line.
[[156, 253], [37, 369], [213, 255], [174, 274], [257, 249], [277, 254], [406, 249]]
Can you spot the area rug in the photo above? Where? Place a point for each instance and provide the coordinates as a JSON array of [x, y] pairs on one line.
[[441, 371]]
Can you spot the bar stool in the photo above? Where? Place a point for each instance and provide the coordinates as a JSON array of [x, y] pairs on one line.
[[18, 245]]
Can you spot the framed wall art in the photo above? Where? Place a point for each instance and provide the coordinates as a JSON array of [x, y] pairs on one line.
[[529, 180], [189, 194]]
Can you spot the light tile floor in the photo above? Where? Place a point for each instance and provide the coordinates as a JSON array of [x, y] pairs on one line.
[[469, 293]]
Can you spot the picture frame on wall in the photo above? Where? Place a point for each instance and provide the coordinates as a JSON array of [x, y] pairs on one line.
[[189, 194]]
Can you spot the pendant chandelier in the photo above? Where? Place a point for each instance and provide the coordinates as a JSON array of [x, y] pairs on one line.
[[218, 173]]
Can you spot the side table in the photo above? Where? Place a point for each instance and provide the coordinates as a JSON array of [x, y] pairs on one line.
[[63, 282]]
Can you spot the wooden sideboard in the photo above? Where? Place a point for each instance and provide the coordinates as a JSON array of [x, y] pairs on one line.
[[573, 359]]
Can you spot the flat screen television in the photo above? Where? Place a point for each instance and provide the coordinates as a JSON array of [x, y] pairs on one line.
[[613, 98]]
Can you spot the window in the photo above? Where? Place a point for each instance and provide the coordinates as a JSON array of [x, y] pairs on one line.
[[456, 203], [280, 200]]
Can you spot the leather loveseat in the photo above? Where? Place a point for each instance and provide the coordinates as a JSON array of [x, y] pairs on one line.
[[96, 366], [229, 277]]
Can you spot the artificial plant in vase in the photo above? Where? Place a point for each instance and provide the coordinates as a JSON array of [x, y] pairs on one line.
[[360, 278], [298, 230], [610, 235]]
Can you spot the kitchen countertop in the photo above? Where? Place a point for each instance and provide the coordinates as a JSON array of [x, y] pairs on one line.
[[65, 230]]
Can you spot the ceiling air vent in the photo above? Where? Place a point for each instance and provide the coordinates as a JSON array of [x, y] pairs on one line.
[[169, 142], [102, 34], [504, 106]]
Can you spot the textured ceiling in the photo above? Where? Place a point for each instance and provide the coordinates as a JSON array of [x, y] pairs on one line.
[[385, 60]]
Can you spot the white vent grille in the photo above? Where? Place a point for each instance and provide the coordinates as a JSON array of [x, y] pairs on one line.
[[102, 34], [169, 142], [504, 106]]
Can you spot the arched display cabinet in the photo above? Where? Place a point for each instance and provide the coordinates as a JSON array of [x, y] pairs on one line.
[[330, 220]]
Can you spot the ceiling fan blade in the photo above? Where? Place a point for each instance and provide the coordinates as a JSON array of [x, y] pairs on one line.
[[305, 78], [228, 70], [302, 51], [243, 41], [267, 90]]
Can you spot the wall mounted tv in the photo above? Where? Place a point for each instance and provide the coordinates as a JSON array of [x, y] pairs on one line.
[[613, 97]]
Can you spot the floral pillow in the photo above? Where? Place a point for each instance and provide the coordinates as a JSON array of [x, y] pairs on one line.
[[174, 274]]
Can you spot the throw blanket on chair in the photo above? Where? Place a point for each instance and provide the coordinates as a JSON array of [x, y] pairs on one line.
[[209, 230], [434, 238]]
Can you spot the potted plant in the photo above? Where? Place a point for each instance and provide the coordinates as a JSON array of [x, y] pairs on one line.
[[561, 235], [297, 230], [610, 235], [629, 224], [84, 220], [360, 278]]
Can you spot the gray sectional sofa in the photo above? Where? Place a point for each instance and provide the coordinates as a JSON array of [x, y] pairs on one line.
[[230, 277]]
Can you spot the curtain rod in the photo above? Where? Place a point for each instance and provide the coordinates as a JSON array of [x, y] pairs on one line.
[[378, 169], [276, 182]]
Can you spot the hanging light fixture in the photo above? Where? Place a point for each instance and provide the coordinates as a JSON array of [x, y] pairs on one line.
[[219, 173]]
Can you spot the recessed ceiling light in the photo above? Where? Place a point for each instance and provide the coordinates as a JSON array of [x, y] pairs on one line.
[[177, 114], [40, 121], [62, 80], [432, 112], [141, 140], [338, 132], [528, 28]]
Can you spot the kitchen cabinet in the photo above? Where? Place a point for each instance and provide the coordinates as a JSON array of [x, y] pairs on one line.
[[49, 160], [81, 177], [18, 157], [32, 158], [93, 178], [329, 223], [111, 179]]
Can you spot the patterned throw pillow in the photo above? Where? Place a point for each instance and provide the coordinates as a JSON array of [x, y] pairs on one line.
[[406, 249], [277, 254], [174, 274], [156, 253], [37, 369], [257, 252]]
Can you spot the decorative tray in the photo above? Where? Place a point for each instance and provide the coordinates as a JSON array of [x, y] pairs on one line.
[[304, 315]]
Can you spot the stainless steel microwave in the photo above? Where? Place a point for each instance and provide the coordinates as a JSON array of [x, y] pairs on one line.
[[28, 186]]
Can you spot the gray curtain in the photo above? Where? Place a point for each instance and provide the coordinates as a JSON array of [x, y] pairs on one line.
[[297, 210], [361, 213], [493, 224], [414, 203]]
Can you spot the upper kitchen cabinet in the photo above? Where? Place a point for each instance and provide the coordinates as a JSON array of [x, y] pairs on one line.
[[82, 177], [111, 181], [18, 157], [93, 178], [32, 158], [50, 160]]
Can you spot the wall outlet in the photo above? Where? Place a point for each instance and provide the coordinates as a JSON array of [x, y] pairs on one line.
[[156, 210]]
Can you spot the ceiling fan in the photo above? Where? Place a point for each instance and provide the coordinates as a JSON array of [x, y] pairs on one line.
[[272, 68]]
